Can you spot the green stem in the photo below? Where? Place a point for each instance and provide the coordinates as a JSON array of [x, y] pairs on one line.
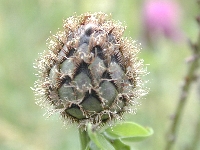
[[172, 135], [195, 142], [180, 107], [84, 139]]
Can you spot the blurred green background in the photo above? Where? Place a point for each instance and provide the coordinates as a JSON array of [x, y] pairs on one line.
[[24, 27]]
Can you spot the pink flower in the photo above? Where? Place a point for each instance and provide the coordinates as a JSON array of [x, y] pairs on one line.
[[162, 17]]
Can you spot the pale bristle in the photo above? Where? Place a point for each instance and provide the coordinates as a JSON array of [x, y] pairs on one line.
[[90, 73]]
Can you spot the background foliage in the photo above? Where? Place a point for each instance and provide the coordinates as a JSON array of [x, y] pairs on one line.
[[24, 28]]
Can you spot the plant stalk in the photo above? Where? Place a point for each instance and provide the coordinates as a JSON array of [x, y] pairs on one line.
[[195, 142], [172, 134], [180, 107], [84, 138]]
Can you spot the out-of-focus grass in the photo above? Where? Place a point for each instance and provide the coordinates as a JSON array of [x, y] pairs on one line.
[[24, 28]]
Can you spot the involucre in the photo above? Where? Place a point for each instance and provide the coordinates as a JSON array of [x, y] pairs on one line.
[[90, 73]]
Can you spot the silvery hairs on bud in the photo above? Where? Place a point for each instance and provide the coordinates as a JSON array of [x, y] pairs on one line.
[[90, 72]]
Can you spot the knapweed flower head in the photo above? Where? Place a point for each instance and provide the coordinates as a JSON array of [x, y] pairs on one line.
[[162, 17], [90, 74]]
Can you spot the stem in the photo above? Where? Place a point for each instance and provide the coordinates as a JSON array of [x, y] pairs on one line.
[[84, 139], [184, 94], [195, 142], [181, 104]]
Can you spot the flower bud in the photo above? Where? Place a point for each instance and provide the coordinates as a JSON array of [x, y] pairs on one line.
[[90, 73]]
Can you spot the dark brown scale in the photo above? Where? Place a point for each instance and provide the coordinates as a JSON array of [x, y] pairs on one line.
[[97, 51], [116, 58], [83, 68], [106, 76], [70, 53], [91, 102], [75, 112]]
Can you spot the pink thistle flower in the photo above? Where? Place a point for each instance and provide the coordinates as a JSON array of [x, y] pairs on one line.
[[162, 17]]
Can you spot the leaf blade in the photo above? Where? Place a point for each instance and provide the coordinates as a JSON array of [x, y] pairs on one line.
[[118, 144], [100, 141], [128, 131]]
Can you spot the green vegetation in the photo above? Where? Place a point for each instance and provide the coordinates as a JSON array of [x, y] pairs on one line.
[[24, 28]]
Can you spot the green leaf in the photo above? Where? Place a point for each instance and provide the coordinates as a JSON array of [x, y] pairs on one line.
[[128, 131], [119, 145], [100, 141]]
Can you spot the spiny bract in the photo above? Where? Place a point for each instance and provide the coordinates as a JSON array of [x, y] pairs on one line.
[[90, 73]]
